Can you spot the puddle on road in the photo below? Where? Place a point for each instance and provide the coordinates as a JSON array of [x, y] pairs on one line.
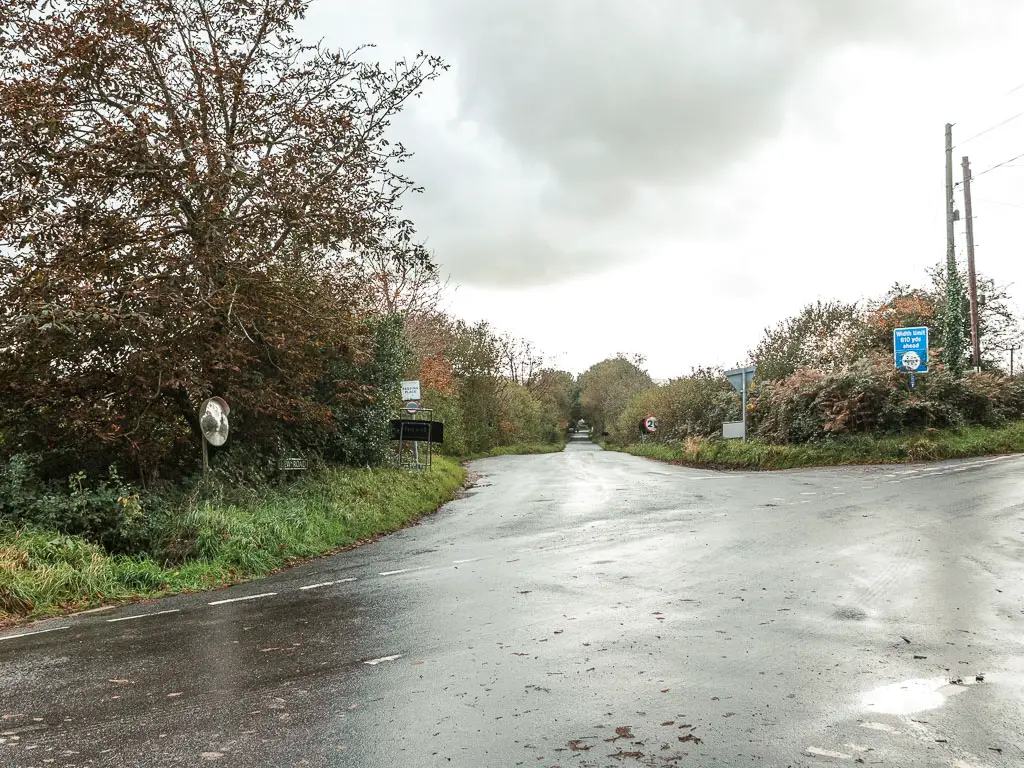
[[911, 696]]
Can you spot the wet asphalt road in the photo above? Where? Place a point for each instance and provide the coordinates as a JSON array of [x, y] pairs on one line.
[[584, 609]]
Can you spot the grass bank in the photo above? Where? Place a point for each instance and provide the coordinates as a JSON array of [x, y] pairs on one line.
[[521, 449], [926, 446], [210, 545]]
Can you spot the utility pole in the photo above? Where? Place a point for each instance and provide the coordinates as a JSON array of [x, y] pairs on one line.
[[950, 248], [953, 320], [972, 280]]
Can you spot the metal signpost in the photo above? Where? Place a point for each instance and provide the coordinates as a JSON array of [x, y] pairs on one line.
[[416, 431], [910, 350], [740, 378]]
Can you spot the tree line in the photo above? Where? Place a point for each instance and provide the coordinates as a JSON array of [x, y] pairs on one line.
[[828, 371]]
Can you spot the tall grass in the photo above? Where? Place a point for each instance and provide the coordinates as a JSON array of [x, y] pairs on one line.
[[213, 544], [932, 445]]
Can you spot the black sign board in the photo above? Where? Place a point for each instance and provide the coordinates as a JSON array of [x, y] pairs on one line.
[[417, 431]]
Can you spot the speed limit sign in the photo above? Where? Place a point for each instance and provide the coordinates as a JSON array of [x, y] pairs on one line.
[[649, 425]]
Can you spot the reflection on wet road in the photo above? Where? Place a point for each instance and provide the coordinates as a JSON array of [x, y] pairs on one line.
[[580, 609]]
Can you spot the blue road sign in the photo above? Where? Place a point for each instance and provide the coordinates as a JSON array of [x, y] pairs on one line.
[[910, 347]]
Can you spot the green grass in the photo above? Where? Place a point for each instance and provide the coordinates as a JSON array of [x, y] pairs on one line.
[[754, 454], [43, 573], [518, 450]]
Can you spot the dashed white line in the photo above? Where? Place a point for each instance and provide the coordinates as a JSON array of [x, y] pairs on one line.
[[327, 584], [375, 662], [36, 632], [239, 599], [879, 727], [401, 570], [818, 752], [142, 616], [93, 610]]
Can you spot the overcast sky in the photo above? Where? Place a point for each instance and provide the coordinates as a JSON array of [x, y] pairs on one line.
[[668, 177]]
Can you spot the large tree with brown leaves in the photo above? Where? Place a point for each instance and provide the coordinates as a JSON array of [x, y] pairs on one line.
[[183, 184]]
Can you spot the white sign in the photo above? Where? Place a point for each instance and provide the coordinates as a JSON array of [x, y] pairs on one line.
[[411, 390], [911, 361], [734, 430]]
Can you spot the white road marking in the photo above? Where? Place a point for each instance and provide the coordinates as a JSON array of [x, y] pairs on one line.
[[93, 610], [239, 599], [879, 727], [36, 632], [402, 570], [142, 616], [817, 752], [327, 584], [375, 662], [469, 560]]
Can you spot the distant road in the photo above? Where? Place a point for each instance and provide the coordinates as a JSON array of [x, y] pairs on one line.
[[580, 609]]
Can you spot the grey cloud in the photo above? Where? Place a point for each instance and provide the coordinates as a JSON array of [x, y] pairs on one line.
[[611, 92], [590, 103]]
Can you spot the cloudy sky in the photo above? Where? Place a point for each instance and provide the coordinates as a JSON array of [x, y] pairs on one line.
[[668, 177]]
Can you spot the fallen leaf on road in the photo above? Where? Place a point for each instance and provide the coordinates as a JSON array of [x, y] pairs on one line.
[[691, 737], [576, 745], [728, 714], [622, 732], [119, 682], [669, 722], [211, 755], [665, 690], [268, 650], [916, 656], [620, 755], [172, 695]]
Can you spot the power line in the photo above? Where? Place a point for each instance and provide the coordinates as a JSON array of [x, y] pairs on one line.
[[1000, 202], [993, 127], [999, 165]]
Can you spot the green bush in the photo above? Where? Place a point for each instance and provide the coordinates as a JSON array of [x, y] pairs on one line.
[[869, 397], [691, 406], [105, 510]]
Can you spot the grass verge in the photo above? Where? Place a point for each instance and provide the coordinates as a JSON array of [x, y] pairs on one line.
[[43, 573], [521, 449], [926, 446]]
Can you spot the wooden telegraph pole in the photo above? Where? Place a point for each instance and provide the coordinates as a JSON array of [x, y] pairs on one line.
[[971, 275]]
